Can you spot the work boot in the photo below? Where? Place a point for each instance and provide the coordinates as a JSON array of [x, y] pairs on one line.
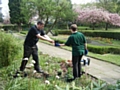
[[88, 61], [37, 68], [39, 71], [20, 74]]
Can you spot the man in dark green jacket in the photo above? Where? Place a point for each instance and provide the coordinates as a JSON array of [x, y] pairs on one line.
[[78, 42]]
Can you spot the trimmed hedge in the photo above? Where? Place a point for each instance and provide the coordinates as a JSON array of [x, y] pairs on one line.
[[103, 49], [9, 27], [15, 27], [65, 32], [113, 35]]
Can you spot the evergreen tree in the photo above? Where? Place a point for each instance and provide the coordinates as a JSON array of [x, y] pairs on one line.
[[16, 17], [1, 17]]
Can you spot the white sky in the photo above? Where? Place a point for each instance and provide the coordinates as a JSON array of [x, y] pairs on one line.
[[5, 9], [81, 1]]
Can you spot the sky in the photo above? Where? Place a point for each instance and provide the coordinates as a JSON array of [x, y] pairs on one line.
[[5, 9], [81, 1]]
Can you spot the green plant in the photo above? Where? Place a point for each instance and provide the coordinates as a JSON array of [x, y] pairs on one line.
[[17, 84], [98, 85], [9, 48]]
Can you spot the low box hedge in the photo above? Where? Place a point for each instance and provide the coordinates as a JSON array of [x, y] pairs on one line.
[[113, 35], [9, 27], [103, 49]]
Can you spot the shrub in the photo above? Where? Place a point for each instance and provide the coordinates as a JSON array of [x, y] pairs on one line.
[[9, 27], [23, 32], [103, 49], [65, 32], [112, 35], [98, 49], [8, 49], [114, 50]]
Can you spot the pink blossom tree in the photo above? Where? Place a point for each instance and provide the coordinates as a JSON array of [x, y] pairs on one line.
[[114, 19], [94, 16]]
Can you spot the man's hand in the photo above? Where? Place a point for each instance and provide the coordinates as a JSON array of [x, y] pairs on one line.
[[51, 41], [45, 37]]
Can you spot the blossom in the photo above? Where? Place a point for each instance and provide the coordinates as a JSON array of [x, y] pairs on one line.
[[57, 77], [34, 71], [47, 82], [33, 61], [96, 16]]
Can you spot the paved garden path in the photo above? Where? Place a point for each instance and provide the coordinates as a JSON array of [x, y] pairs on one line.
[[99, 69]]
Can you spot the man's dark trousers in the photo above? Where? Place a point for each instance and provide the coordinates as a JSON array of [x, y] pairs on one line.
[[76, 61], [28, 51]]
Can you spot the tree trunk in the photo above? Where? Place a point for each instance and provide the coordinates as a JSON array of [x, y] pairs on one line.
[[106, 26], [46, 21], [50, 29], [19, 27], [93, 26]]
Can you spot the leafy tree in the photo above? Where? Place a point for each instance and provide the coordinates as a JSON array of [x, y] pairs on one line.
[[70, 15], [51, 11], [28, 10], [112, 6], [16, 16], [63, 11]]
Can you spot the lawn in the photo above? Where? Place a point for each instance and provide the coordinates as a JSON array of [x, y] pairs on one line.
[[111, 58]]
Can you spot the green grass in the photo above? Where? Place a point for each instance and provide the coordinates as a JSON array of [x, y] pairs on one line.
[[111, 58]]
